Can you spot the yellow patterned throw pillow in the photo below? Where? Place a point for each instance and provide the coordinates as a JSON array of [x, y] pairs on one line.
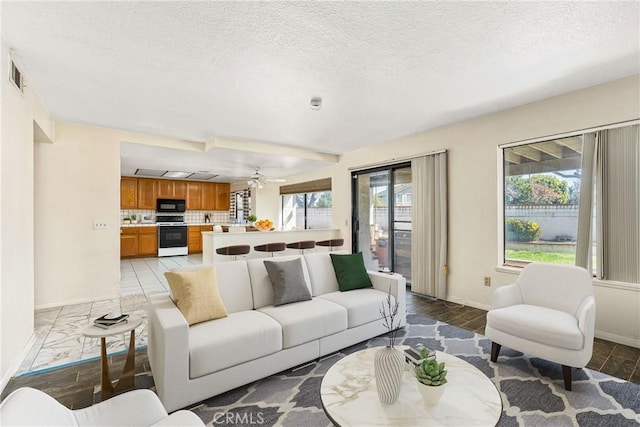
[[196, 294]]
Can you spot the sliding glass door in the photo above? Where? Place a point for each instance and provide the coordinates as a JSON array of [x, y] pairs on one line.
[[381, 200]]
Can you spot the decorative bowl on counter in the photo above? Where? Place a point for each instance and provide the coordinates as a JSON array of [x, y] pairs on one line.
[[264, 225]]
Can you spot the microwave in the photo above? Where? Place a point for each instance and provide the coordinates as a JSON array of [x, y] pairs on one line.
[[170, 205]]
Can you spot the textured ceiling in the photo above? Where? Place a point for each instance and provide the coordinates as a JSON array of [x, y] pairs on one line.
[[247, 70]]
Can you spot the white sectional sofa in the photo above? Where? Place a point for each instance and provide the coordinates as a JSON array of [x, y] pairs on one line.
[[256, 339]]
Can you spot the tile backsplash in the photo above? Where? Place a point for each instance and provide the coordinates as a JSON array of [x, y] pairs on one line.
[[190, 217]]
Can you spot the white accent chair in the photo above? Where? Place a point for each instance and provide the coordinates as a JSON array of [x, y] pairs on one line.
[[549, 313], [27, 406]]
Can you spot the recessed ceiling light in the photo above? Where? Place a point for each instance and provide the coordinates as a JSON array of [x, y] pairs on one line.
[[150, 172], [177, 174]]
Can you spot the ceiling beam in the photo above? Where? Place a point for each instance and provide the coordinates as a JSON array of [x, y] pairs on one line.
[[528, 152], [550, 148], [512, 157], [267, 148], [574, 143]]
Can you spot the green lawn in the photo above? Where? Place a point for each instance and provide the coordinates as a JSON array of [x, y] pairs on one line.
[[549, 257]]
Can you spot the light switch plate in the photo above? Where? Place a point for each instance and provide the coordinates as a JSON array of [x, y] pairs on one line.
[[100, 225]]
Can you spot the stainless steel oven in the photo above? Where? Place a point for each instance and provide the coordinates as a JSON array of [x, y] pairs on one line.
[[173, 236]]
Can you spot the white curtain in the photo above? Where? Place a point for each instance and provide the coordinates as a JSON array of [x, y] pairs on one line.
[[429, 222], [618, 204], [611, 167], [584, 239]]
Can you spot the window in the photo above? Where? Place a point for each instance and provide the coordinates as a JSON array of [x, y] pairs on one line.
[[548, 219], [307, 205], [305, 211], [541, 193]]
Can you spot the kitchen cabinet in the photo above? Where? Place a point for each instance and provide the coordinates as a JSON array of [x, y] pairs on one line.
[[138, 241], [147, 193], [128, 242], [168, 189], [195, 237], [208, 202], [128, 193], [147, 241], [223, 192], [194, 196]]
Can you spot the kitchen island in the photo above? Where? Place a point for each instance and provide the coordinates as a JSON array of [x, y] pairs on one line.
[[213, 240]]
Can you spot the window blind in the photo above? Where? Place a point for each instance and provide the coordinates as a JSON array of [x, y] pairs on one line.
[[307, 187]]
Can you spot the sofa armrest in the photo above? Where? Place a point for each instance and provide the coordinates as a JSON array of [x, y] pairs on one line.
[[398, 285], [505, 296], [586, 315], [168, 350]]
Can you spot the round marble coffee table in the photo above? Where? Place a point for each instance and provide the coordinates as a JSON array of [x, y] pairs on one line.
[[349, 396]]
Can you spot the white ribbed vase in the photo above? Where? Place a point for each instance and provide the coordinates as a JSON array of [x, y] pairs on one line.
[[388, 366]]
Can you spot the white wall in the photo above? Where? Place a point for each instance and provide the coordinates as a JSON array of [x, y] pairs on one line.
[[19, 113], [77, 182], [473, 189]]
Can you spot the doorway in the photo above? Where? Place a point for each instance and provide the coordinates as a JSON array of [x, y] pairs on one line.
[[381, 215]]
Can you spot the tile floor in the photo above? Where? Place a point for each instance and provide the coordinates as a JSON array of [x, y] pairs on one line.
[[59, 340]]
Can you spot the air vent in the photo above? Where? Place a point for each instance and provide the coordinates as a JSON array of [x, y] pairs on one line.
[[15, 75]]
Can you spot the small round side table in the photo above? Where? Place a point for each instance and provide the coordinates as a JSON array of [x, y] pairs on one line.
[[127, 378]]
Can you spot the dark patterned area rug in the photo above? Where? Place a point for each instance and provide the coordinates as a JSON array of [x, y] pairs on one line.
[[532, 389]]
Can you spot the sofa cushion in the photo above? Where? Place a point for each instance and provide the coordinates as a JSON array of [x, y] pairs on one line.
[[321, 273], [288, 282], [261, 284], [363, 305], [196, 294], [233, 283], [307, 320], [230, 341], [350, 271], [540, 324]]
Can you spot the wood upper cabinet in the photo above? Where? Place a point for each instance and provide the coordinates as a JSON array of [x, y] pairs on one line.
[[147, 241], [223, 192], [147, 193], [208, 202], [128, 193], [194, 196], [172, 189]]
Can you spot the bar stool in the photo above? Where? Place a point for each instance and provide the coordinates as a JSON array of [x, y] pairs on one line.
[[234, 251], [302, 245], [270, 247], [331, 243]]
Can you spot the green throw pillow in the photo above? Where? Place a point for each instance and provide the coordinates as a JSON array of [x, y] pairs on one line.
[[350, 271]]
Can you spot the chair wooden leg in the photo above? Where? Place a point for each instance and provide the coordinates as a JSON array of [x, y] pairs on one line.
[[495, 350], [566, 374]]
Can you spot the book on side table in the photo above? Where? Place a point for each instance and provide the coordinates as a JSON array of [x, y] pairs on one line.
[[110, 320]]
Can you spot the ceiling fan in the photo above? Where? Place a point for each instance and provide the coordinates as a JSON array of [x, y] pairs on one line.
[[257, 180]]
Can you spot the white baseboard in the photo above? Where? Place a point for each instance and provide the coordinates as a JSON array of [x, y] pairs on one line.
[[77, 301], [14, 368], [618, 339]]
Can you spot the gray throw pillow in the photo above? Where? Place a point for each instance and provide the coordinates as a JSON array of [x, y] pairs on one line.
[[288, 282]]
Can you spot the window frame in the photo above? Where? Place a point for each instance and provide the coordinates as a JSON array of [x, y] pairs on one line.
[[305, 197], [517, 266]]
